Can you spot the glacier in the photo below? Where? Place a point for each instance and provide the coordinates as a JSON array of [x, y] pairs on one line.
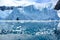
[[30, 10], [31, 13]]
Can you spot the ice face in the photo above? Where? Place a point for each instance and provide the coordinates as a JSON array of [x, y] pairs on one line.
[[4, 14], [37, 14], [32, 10], [32, 13]]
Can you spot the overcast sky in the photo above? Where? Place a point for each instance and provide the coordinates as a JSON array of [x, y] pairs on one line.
[[18, 2], [21, 2]]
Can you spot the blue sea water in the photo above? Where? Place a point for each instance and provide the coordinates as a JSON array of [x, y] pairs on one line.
[[28, 30]]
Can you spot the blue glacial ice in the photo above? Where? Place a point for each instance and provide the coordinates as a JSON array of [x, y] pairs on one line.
[[31, 12]]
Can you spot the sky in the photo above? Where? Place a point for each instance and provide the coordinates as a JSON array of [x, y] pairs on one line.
[[15, 2], [22, 2]]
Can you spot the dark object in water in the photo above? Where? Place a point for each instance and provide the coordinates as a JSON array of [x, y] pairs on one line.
[[57, 34], [17, 19], [57, 7]]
